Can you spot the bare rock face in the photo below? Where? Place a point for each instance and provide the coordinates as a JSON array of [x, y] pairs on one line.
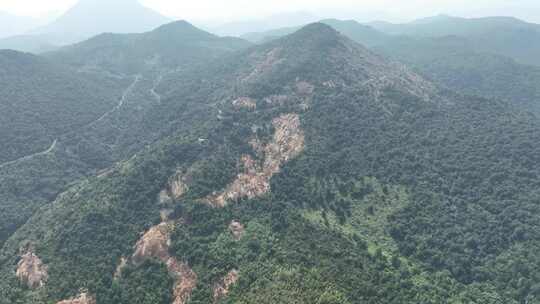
[[237, 230], [264, 63], [287, 143], [153, 244], [82, 298], [31, 271], [221, 288], [178, 185], [185, 280], [120, 268], [245, 102]]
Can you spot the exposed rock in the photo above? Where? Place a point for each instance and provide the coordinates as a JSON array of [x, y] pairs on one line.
[[120, 268], [31, 271], [237, 230], [164, 198], [185, 280], [165, 214], [278, 100], [245, 102], [222, 288], [304, 88], [82, 298], [287, 143], [264, 64], [153, 244], [178, 185]]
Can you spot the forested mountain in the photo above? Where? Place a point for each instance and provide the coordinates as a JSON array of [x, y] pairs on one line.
[[67, 122], [364, 34], [451, 61], [88, 18], [304, 170], [504, 36], [172, 46], [40, 101], [84, 20]]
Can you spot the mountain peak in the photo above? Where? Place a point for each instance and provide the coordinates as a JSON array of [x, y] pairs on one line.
[[315, 36], [184, 29], [318, 29]]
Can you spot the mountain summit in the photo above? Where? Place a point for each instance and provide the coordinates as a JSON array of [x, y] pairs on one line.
[[91, 17]]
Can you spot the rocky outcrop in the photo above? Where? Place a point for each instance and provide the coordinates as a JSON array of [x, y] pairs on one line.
[[31, 271], [222, 288], [154, 244], [263, 63], [254, 181], [120, 268], [185, 280], [245, 102], [178, 185], [82, 298], [237, 230]]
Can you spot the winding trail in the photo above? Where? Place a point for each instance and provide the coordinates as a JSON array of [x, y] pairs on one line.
[[28, 157], [55, 142], [121, 102], [153, 90]]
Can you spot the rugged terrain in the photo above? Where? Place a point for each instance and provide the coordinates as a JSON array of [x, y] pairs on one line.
[[304, 170]]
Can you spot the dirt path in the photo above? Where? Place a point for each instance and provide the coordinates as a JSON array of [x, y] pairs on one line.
[[121, 102], [55, 142], [28, 157]]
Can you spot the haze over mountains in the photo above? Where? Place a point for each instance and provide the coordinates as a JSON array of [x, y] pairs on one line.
[[86, 19], [334, 162]]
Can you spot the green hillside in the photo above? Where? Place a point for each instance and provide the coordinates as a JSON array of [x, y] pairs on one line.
[[304, 170]]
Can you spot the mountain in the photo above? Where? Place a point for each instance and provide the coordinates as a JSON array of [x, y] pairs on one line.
[[174, 45], [453, 61], [239, 28], [35, 44], [304, 170], [350, 28], [91, 17], [64, 123], [84, 20], [40, 102], [504, 36]]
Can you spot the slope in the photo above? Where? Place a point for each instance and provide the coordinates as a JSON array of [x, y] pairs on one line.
[[41, 100], [86, 143], [176, 45], [450, 61], [310, 122], [454, 63], [504, 36]]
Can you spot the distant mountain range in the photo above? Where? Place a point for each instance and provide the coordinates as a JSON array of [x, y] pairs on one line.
[[84, 20]]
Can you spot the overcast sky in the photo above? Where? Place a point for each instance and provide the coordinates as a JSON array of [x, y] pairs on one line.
[[362, 10]]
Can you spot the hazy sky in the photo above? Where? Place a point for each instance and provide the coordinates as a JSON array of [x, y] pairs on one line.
[[362, 10]]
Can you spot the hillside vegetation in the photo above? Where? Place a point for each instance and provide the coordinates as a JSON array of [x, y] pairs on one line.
[[304, 170]]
